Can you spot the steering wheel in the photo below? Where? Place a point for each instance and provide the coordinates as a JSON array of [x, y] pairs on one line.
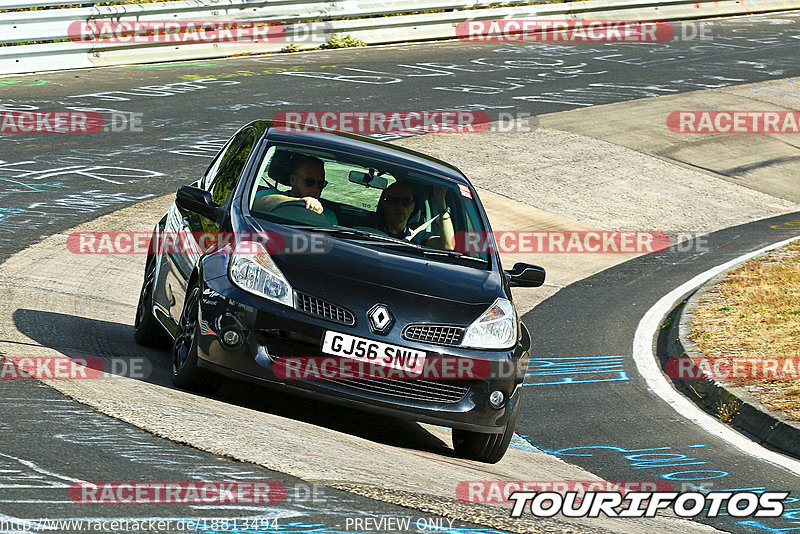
[[296, 210]]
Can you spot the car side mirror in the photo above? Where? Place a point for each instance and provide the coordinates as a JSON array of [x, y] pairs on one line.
[[526, 275], [197, 201]]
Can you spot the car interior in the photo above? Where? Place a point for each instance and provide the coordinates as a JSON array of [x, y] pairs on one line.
[[352, 211], [353, 193]]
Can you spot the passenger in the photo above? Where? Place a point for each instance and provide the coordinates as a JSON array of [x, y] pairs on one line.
[[397, 204], [307, 180]]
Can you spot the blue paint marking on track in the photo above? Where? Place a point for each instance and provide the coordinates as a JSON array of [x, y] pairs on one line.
[[28, 188], [658, 457], [651, 458], [770, 530], [520, 441], [11, 211], [792, 514], [576, 370], [427, 527]]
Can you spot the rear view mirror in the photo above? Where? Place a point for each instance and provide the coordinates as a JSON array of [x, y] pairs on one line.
[[526, 275], [197, 201], [368, 180]]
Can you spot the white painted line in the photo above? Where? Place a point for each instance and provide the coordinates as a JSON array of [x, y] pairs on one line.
[[32, 486], [33, 501], [646, 363], [41, 470]]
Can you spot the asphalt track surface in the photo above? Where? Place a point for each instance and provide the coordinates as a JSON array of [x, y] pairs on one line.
[[49, 442], [584, 377], [50, 183]]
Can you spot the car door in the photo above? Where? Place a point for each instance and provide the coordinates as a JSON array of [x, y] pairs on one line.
[[220, 179]]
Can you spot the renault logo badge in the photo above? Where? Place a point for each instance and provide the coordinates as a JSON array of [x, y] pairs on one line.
[[380, 319]]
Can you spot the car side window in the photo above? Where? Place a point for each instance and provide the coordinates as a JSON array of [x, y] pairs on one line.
[[232, 166], [211, 171], [222, 157]]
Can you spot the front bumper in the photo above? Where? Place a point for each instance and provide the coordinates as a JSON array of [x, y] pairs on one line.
[[269, 331]]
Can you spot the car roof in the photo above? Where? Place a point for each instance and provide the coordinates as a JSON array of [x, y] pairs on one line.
[[365, 147]]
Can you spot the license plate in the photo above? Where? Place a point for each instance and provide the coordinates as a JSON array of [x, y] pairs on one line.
[[373, 352]]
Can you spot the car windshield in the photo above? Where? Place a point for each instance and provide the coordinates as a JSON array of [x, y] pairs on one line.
[[369, 202]]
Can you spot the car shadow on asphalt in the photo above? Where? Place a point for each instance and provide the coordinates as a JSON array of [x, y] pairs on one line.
[[110, 347]]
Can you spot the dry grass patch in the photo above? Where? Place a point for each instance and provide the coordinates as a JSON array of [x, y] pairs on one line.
[[755, 313]]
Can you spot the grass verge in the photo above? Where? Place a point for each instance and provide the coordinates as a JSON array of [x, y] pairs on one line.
[[754, 312]]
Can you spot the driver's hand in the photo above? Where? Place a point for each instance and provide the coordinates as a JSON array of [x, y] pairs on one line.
[[313, 204]]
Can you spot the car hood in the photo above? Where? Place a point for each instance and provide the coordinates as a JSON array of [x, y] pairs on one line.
[[345, 272]]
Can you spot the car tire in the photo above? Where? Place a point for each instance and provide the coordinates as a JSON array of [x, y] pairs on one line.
[[146, 329], [482, 447], [185, 372]]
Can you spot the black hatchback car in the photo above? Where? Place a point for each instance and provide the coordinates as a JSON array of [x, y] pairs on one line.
[[325, 247]]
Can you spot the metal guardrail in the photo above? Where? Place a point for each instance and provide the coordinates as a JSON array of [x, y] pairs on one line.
[[388, 21]]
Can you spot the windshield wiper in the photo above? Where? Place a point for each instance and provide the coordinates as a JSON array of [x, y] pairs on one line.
[[341, 232], [391, 241], [451, 254]]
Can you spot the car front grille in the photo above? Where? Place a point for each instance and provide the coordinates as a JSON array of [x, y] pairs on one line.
[[445, 391], [436, 334], [322, 308], [417, 389], [413, 389], [287, 348]]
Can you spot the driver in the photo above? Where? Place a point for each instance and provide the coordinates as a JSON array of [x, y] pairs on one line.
[[307, 180], [397, 204]]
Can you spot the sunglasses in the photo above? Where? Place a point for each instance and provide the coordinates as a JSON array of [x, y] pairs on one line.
[[395, 201], [311, 182]]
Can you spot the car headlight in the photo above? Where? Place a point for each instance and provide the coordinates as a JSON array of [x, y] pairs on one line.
[[495, 329], [252, 269]]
